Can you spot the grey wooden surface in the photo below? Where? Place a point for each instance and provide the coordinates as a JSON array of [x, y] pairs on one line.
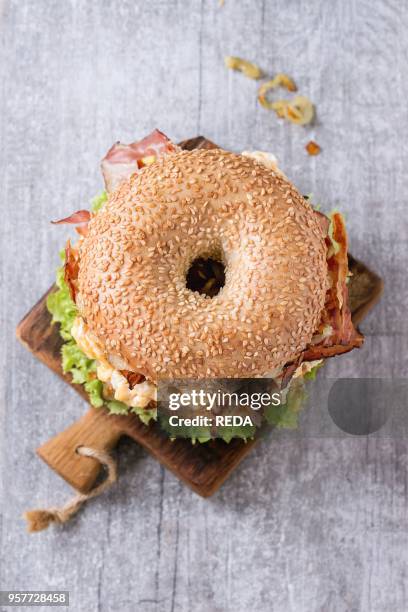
[[304, 525]]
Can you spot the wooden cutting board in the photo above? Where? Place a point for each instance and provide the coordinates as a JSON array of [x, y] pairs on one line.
[[203, 467]]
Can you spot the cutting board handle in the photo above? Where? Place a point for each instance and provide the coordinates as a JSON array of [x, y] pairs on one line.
[[96, 429]]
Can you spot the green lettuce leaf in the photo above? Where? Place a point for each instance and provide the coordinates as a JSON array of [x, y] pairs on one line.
[[285, 416], [98, 201], [94, 388], [245, 432], [313, 372], [61, 306], [145, 415], [116, 407]]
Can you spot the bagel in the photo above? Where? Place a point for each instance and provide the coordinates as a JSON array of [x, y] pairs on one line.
[[210, 204]]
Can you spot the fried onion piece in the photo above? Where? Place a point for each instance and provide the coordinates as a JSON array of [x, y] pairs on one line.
[[313, 148], [249, 69], [284, 80], [279, 106], [300, 110], [263, 91], [133, 378], [279, 80]]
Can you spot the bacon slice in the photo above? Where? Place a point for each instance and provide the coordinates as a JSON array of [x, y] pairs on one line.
[[82, 229], [80, 216], [121, 161], [288, 371], [71, 268], [336, 313]]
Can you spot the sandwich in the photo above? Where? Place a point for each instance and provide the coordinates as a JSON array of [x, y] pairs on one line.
[[199, 264]]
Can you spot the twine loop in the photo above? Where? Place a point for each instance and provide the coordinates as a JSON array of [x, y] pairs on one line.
[[40, 519]]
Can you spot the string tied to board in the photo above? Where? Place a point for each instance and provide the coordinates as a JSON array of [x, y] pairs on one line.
[[40, 519]]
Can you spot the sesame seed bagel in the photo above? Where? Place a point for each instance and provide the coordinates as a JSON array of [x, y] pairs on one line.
[[133, 264]]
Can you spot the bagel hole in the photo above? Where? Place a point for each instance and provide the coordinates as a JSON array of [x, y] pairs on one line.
[[206, 276]]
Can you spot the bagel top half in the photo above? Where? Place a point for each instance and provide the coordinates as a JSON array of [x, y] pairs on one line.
[[133, 264]]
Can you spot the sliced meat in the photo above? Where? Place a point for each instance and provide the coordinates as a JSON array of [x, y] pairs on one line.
[[288, 371], [78, 217], [82, 229], [343, 336], [121, 161]]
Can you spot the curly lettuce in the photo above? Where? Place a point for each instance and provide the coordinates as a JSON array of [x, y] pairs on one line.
[[286, 415]]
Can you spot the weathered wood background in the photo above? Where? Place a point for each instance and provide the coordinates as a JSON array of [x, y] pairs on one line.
[[304, 525]]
